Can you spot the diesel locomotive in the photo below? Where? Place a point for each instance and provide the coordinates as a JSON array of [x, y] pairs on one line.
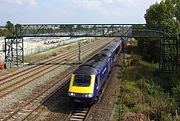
[[88, 79]]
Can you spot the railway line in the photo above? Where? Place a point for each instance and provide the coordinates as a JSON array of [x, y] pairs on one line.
[[33, 104], [25, 110], [77, 112], [16, 82], [81, 112], [58, 99], [40, 64], [47, 61]]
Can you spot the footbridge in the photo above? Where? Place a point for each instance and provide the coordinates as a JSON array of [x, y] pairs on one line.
[[169, 46]]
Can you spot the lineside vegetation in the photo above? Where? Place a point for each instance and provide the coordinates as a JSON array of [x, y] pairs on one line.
[[146, 93]]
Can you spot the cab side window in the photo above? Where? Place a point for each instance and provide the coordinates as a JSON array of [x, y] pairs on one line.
[[96, 81]]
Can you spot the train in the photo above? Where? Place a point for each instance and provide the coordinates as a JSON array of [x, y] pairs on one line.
[[87, 80]]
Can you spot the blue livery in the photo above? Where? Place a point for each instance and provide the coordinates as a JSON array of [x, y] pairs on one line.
[[87, 81]]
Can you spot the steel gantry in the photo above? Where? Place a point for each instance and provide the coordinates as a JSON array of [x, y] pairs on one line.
[[14, 54], [169, 46], [169, 54], [86, 30]]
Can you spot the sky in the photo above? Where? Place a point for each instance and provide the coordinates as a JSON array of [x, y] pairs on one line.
[[74, 11]]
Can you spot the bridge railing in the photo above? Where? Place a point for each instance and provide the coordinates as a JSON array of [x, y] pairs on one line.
[[168, 51], [86, 30]]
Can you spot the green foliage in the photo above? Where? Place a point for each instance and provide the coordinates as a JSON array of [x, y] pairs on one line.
[[143, 94], [176, 94], [2, 32], [149, 49], [10, 27], [164, 16], [177, 5]]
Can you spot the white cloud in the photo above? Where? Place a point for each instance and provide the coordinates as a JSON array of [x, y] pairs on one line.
[[23, 2], [125, 2], [102, 7], [88, 4], [110, 1], [74, 11]]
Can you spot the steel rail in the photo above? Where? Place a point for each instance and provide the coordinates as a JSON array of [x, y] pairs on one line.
[[24, 114], [39, 63], [35, 67], [7, 90], [36, 98], [49, 61], [80, 113]]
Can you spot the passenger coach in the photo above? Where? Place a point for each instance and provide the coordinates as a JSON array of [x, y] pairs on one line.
[[87, 81]]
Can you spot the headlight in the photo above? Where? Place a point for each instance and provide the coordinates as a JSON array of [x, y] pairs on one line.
[[71, 94], [89, 95]]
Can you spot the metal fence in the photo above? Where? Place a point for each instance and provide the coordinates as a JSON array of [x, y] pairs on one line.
[[28, 51], [46, 46]]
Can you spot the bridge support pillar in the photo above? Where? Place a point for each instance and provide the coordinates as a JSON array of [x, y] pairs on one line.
[[168, 54], [14, 54]]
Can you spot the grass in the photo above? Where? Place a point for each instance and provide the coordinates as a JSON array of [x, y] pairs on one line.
[[146, 90], [142, 92]]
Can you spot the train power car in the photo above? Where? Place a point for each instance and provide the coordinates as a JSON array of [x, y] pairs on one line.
[[87, 81]]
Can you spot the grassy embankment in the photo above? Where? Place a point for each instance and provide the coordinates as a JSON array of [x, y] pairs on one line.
[[148, 94]]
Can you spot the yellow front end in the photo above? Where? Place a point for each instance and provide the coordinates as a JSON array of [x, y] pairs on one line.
[[82, 89]]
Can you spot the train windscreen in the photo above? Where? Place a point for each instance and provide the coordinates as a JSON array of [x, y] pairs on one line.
[[82, 80]]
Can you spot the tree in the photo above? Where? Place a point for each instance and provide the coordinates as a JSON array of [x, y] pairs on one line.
[[177, 14], [177, 5], [10, 27], [176, 94], [162, 16]]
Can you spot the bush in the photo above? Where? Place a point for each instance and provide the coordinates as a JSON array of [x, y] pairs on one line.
[[176, 94]]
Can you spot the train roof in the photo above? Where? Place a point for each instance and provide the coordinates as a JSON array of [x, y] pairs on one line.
[[93, 65], [87, 70], [106, 52], [96, 63], [111, 47], [119, 39]]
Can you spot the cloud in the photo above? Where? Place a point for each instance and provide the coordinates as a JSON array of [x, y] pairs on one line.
[[22, 2], [74, 11], [88, 4], [103, 7]]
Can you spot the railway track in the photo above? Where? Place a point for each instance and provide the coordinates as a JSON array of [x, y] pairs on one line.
[[13, 84], [33, 104], [79, 113], [40, 64], [29, 107], [45, 62], [75, 112]]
